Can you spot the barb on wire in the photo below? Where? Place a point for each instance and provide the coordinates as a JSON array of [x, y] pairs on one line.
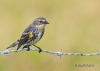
[[58, 53]]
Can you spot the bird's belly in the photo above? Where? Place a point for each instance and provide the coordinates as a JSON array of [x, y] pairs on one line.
[[35, 40]]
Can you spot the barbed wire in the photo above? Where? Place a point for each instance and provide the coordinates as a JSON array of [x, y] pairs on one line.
[[58, 53]]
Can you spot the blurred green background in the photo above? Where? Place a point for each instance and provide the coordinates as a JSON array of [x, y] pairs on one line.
[[74, 27]]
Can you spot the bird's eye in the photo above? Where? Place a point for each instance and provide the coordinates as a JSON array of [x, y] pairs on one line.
[[41, 21]]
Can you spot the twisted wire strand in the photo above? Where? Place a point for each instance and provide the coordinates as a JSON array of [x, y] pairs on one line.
[[57, 53]]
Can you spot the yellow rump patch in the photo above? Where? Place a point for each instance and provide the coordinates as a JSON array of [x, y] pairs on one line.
[[30, 35]]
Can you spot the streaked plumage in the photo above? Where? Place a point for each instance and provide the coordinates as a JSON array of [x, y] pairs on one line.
[[32, 34]]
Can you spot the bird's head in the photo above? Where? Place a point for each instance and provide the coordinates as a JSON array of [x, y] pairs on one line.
[[40, 21]]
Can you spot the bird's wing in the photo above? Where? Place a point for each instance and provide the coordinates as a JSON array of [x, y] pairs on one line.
[[28, 33]]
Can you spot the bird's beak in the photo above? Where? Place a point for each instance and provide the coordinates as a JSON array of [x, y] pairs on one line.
[[46, 22]]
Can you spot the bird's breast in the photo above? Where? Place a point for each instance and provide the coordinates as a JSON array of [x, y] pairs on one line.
[[37, 38]]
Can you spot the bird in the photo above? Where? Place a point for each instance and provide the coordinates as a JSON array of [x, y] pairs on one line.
[[32, 34]]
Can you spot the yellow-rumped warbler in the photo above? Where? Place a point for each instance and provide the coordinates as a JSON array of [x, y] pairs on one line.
[[32, 34]]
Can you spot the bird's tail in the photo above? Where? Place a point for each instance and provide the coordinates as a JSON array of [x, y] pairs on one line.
[[13, 44]]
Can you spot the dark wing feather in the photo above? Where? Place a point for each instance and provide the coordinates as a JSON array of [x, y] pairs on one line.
[[25, 36]]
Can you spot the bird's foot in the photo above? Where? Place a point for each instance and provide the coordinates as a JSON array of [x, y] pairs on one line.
[[26, 48], [39, 49]]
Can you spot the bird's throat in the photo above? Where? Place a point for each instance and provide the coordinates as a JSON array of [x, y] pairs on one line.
[[40, 27]]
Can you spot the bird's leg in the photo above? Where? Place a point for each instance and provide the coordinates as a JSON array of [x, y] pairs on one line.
[[27, 46], [40, 50]]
